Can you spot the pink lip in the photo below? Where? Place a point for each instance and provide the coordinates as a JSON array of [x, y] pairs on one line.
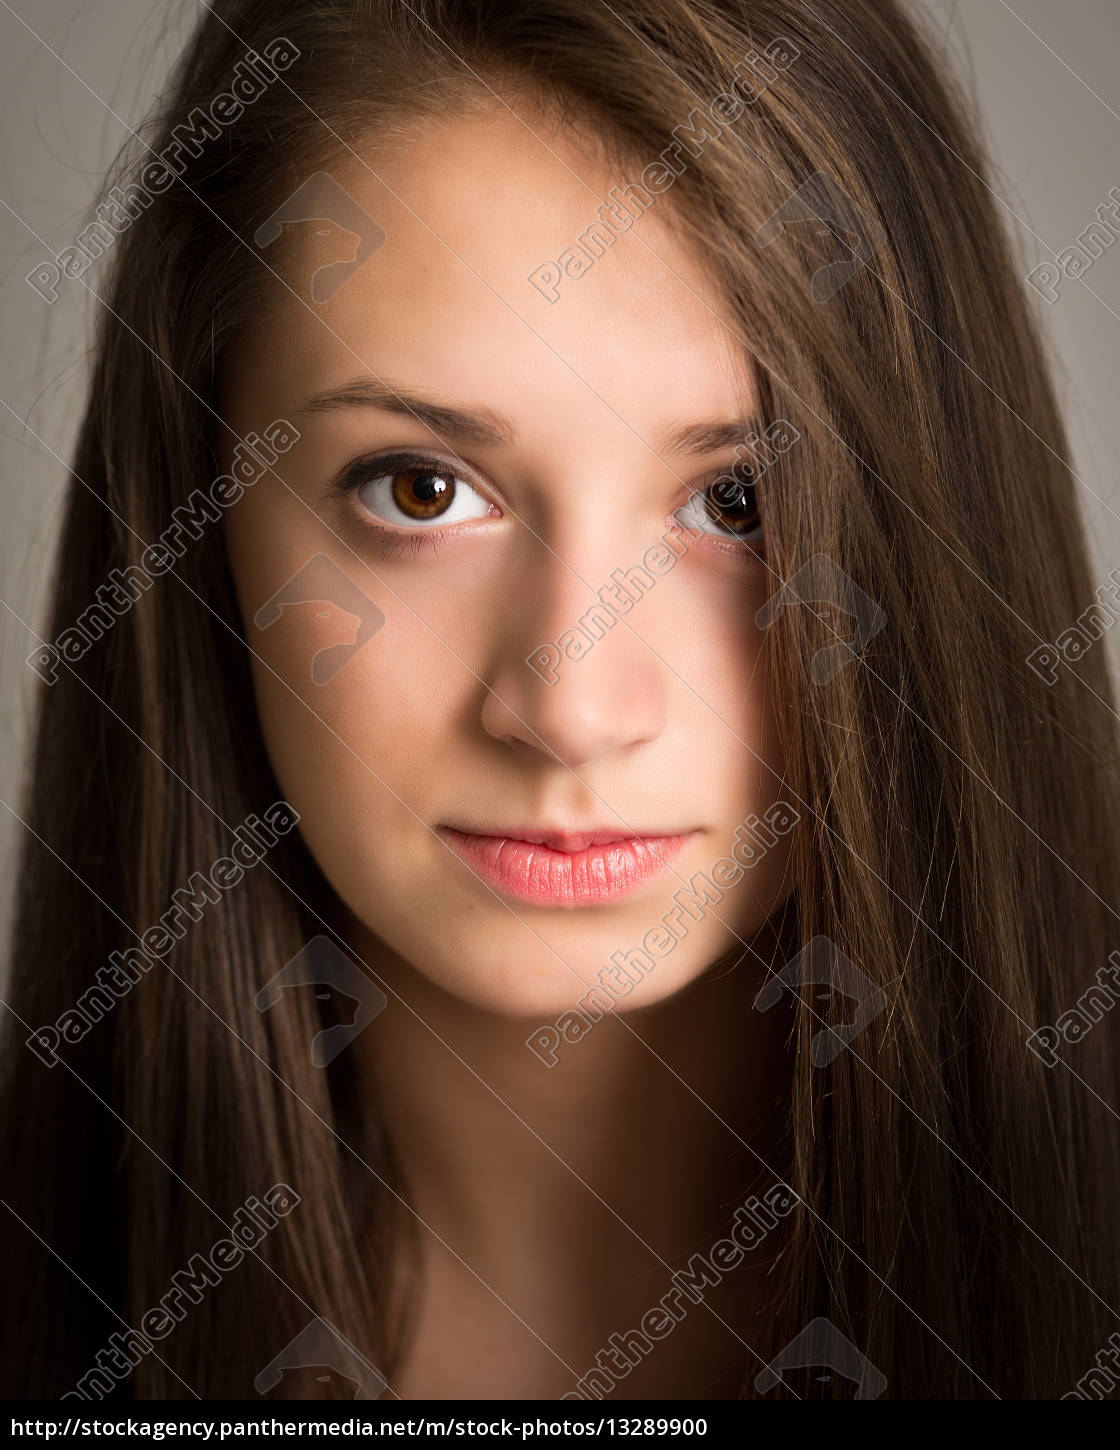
[[561, 869]]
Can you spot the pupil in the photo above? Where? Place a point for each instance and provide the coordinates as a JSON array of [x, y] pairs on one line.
[[428, 487], [731, 501], [423, 495]]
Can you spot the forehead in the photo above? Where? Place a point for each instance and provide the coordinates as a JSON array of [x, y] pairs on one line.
[[469, 209]]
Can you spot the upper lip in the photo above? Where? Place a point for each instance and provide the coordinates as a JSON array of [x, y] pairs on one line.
[[568, 841]]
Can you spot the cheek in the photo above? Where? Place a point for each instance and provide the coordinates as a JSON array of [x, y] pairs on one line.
[[734, 744], [716, 655], [356, 695]]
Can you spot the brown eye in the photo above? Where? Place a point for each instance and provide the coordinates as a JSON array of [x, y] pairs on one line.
[[731, 503], [422, 495], [412, 494]]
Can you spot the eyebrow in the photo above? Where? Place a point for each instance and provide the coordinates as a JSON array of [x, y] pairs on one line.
[[477, 425], [483, 426], [698, 438]]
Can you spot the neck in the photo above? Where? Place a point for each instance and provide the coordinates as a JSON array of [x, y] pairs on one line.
[[654, 1126]]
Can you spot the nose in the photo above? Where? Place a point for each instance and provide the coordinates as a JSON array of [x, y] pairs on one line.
[[572, 680]]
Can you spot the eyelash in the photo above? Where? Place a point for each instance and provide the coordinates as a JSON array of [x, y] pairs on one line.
[[395, 540], [392, 539], [724, 543]]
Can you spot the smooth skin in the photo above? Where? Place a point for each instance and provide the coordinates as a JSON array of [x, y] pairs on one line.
[[560, 1198]]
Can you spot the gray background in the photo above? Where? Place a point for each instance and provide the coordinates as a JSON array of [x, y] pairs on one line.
[[1045, 75]]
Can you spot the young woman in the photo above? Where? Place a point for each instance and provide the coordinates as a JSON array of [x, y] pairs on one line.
[[555, 864]]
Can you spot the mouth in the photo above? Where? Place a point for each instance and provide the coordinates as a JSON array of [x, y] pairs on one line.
[[566, 869]]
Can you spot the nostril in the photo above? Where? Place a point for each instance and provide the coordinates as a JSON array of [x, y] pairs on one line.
[[536, 746]]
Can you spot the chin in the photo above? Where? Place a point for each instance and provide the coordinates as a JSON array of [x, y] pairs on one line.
[[523, 968]]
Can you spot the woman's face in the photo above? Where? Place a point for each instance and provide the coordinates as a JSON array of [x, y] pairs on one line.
[[477, 711]]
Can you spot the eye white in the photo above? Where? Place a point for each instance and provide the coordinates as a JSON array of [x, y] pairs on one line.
[[696, 515], [376, 494]]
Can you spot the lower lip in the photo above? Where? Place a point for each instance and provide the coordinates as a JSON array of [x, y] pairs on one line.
[[543, 876]]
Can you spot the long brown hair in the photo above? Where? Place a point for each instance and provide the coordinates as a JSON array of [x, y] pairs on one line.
[[961, 820]]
